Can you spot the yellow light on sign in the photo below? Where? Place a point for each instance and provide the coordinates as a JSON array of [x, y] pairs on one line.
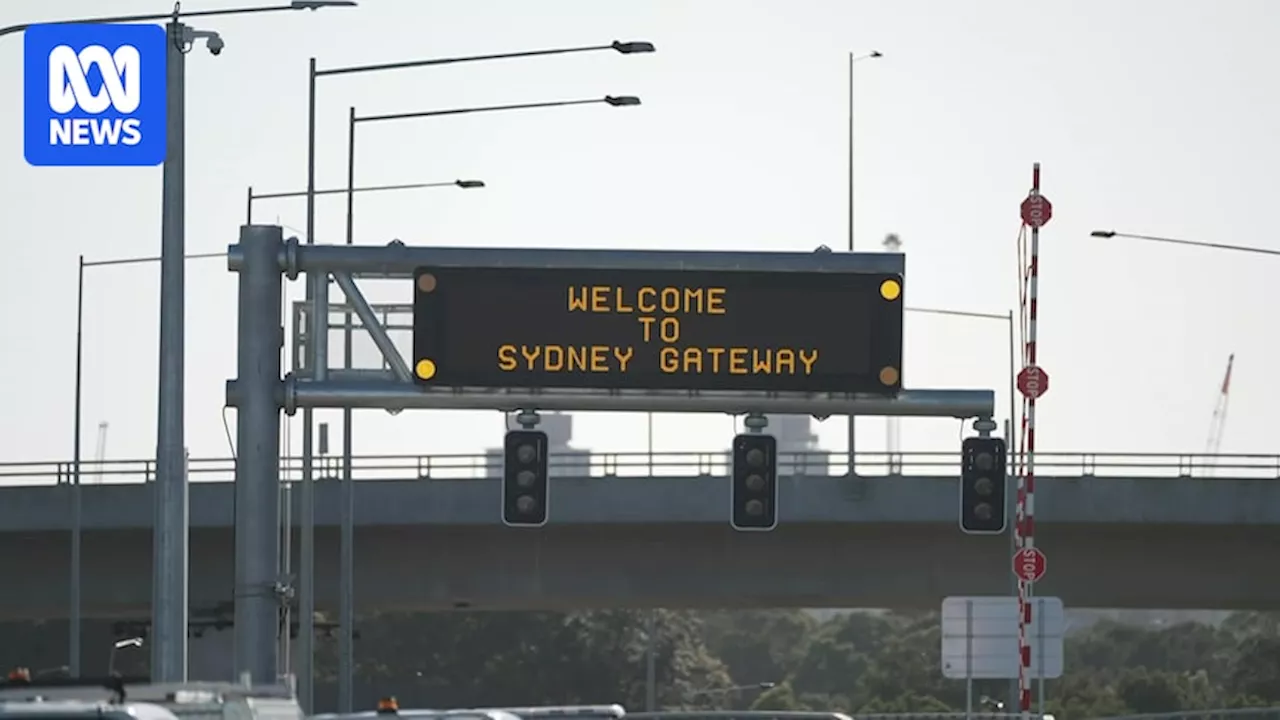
[[891, 290], [888, 375], [425, 369]]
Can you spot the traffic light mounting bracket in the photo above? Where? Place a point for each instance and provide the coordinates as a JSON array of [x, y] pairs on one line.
[[984, 426], [755, 422], [528, 419]]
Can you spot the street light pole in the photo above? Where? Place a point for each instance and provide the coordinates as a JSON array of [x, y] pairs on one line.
[[854, 59], [73, 617], [74, 612], [346, 541], [169, 508], [1108, 234], [317, 302], [252, 197], [169, 542], [346, 555]]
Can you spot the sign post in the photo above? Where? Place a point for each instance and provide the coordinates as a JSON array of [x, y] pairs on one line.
[[1032, 381], [981, 639]]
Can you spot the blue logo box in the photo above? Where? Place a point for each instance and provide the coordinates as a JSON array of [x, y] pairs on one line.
[[94, 95]]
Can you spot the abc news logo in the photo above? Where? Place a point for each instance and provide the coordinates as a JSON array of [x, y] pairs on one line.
[[120, 90], [94, 95]]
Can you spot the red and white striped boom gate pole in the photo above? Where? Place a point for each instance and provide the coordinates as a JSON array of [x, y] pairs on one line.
[[1032, 382]]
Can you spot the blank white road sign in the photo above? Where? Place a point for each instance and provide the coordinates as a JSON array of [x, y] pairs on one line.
[[980, 637]]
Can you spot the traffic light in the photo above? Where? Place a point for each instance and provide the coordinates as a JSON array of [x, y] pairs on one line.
[[525, 487], [982, 485], [754, 501]]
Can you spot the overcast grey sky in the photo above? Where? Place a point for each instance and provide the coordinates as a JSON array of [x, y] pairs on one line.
[[1149, 116]]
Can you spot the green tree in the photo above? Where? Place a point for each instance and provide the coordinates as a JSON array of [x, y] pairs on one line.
[[759, 646]]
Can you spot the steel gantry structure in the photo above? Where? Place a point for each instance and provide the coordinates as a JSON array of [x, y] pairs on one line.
[[263, 258]]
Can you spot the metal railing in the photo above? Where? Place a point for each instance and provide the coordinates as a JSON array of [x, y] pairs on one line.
[[1257, 713], [659, 465]]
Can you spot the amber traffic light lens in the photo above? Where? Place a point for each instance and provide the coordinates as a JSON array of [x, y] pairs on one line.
[[984, 486]]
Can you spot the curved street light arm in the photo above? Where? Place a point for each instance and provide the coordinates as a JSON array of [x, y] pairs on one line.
[[611, 100], [294, 6]]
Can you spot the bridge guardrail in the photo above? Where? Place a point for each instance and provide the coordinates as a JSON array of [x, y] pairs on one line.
[[1254, 713], [663, 464]]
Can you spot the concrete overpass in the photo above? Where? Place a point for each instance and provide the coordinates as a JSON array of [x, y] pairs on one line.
[[424, 542]]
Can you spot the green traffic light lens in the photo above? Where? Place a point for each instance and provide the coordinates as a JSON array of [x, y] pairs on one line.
[[755, 508], [983, 511]]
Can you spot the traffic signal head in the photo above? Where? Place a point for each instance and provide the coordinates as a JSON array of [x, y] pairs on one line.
[[754, 490], [982, 486], [525, 486]]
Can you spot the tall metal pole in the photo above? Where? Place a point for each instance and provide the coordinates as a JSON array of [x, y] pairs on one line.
[[852, 59], [1026, 492], [1009, 436], [307, 531], [651, 620], [257, 484], [73, 616], [346, 563], [1011, 442], [1010, 481], [169, 573], [853, 432]]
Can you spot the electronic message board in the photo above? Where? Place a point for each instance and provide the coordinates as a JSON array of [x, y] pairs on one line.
[[497, 327]]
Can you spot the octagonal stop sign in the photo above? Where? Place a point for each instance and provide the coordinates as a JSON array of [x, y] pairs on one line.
[[1036, 210], [1028, 564], [1033, 382]]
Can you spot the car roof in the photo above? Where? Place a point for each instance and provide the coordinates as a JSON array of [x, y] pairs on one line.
[[64, 708]]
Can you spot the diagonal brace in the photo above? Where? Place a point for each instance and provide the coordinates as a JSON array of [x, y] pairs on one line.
[[370, 321]]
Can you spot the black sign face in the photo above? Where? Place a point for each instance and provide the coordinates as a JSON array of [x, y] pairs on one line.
[[658, 329]]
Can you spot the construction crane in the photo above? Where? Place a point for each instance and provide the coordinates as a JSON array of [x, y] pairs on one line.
[[1218, 424]]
